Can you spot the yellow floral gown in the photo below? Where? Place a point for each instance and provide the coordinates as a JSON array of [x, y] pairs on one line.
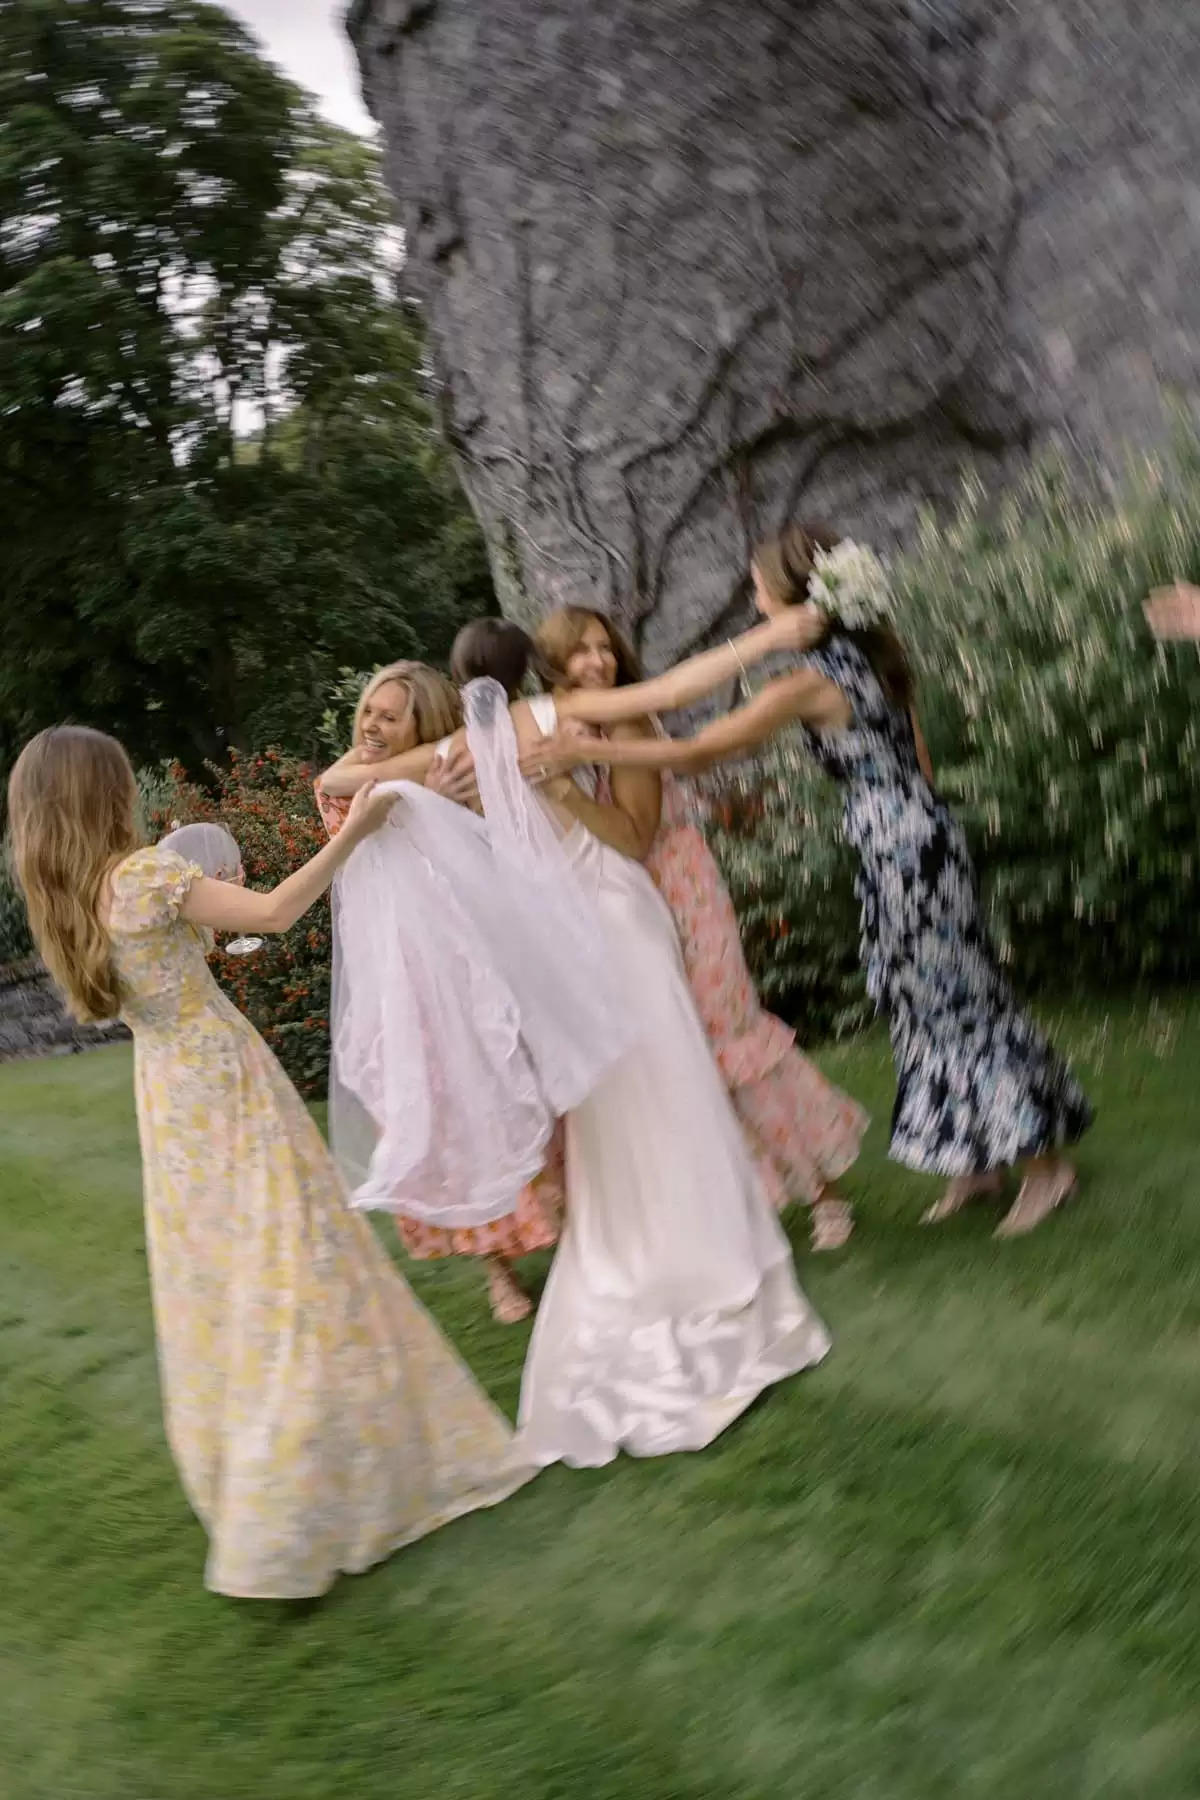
[[318, 1418]]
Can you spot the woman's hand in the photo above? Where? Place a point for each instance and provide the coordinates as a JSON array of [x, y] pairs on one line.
[[558, 755], [1173, 613], [368, 810], [798, 627], [453, 777]]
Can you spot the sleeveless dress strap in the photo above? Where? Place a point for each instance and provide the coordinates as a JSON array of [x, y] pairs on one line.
[[545, 713]]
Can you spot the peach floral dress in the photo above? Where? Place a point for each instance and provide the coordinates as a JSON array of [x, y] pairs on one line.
[[803, 1132], [317, 1416]]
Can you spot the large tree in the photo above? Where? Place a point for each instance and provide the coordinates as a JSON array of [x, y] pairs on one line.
[[687, 266], [218, 474], [692, 265]]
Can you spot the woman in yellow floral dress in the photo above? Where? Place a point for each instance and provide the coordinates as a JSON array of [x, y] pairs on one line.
[[318, 1418]]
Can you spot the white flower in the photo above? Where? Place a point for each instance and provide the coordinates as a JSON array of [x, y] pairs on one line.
[[850, 583]]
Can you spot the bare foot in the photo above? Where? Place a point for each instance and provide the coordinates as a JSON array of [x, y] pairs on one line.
[[961, 1191], [510, 1302], [1042, 1193], [832, 1222]]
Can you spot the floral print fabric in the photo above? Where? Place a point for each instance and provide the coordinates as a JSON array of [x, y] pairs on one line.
[[977, 1085], [318, 1418]]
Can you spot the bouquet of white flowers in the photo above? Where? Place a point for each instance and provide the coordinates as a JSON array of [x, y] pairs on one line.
[[850, 584]]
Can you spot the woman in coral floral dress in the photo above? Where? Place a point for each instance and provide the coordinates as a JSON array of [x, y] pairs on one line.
[[804, 1132], [317, 1416]]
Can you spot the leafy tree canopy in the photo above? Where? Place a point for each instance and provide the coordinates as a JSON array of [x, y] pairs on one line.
[[218, 474]]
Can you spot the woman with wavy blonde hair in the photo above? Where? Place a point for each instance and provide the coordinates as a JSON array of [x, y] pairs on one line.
[[405, 707], [317, 1418], [406, 714]]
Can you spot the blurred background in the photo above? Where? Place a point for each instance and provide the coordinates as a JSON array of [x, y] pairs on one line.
[[320, 335]]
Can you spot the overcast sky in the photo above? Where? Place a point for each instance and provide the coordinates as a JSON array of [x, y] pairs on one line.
[[305, 38]]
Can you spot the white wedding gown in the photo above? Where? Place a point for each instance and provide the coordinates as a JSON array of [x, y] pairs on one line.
[[672, 1301]]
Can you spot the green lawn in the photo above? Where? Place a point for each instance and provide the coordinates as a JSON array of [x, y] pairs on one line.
[[962, 1559]]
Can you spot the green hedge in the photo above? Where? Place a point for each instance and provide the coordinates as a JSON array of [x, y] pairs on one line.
[[1063, 735]]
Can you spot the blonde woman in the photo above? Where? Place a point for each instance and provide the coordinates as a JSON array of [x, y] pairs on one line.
[[406, 710], [317, 1417], [405, 716]]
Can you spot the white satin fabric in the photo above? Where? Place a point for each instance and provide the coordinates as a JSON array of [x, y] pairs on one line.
[[672, 1301]]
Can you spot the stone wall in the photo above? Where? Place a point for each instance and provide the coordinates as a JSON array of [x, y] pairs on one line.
[[34, 1022]]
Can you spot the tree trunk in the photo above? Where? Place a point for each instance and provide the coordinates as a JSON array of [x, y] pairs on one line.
[[691, 267]]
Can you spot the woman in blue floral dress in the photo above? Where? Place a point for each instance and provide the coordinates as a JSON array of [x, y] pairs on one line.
[[979, 1089]]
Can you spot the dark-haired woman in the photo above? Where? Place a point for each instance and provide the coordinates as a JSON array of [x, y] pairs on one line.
[[979, 1090]]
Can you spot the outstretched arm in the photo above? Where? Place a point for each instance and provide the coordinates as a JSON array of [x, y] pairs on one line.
[[924, 760], [797, 629], [629, 821], [349, 773], [223, 906], [804, 698], [1173, 613]]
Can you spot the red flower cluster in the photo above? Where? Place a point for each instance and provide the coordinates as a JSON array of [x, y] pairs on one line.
[[266, 802]]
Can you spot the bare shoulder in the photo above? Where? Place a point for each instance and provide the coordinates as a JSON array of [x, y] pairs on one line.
[[809, 696]]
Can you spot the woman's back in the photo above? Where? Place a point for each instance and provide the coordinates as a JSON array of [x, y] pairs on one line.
[[160, 960]]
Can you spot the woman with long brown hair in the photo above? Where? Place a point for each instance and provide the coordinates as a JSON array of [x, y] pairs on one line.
[[804, 1132], [317, 1417], [979, 1091]]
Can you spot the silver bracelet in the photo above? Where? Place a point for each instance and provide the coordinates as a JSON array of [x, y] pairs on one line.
[[741, 665]]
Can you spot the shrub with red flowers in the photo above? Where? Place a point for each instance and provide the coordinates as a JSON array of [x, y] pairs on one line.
[[266, 802]]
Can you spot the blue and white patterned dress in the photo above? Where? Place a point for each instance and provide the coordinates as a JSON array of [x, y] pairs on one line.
[[978, 1086]]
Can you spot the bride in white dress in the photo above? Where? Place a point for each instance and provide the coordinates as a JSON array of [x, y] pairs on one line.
[[672, 1301]]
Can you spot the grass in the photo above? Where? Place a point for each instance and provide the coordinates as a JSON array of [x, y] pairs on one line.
[[959, 1560]]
